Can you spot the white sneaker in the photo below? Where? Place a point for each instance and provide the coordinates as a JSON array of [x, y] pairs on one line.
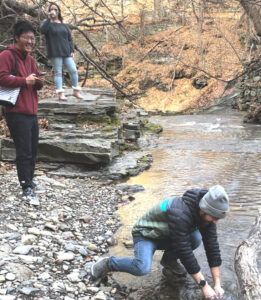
[[30, 197]]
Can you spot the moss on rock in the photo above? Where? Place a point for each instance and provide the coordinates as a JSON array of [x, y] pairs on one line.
[[148, 126]]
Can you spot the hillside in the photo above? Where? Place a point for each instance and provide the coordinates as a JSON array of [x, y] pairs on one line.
[[182, 66]]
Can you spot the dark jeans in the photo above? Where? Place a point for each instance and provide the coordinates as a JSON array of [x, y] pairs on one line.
[[144, 249], [25, 133]]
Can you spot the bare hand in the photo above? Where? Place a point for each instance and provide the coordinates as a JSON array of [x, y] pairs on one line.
[[219, 291], [31, 79], [209, 293], [72, 55]]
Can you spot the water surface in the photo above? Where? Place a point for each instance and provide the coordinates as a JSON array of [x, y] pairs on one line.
[[198, 151]]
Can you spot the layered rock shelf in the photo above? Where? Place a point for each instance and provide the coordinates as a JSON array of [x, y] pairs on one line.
[[76, 129]]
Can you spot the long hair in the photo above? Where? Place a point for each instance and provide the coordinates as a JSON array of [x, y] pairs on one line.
[[59, 10]]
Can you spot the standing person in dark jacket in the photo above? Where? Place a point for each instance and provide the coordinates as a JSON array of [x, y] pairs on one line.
[[22, 118], [176, 225], [60, 50]]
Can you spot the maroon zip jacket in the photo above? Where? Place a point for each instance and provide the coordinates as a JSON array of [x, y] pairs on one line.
[[27, 102]]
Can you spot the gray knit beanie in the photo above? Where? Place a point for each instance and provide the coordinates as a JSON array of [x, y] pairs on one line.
[[215, 202]]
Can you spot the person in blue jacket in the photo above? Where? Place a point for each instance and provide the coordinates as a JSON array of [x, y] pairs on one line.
[[60, 50], [177, 225]]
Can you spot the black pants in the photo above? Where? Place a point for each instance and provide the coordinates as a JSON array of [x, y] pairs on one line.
[[25, 133]]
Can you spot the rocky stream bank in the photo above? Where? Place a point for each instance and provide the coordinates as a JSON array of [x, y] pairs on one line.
[[46, 250], [43, 249]]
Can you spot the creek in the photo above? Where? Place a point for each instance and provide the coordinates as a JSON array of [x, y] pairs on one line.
[[197, 151]]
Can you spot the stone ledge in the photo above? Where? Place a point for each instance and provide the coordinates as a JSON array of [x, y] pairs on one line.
[[67, 141]]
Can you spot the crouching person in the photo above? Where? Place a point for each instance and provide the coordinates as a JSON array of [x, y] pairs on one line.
[[177, 225]]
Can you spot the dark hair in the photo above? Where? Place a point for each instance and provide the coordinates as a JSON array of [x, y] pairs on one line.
[[59, 10], [21, 27]]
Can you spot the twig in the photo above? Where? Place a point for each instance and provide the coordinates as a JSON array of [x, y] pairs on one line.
[[87, 38], [230, 44], [209, 75], [177, 61], [150, 50], [103, 73], [86, 74], [121, 27], [158, 43]]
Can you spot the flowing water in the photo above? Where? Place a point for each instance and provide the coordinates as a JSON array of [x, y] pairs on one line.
[[197, 151]]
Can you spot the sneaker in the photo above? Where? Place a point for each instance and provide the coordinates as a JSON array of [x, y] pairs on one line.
[[100, 268], [28, 192], [38, 188], [174, 266], [30, 197]]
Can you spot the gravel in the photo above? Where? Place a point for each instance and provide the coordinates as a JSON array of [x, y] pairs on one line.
[[43, 249]]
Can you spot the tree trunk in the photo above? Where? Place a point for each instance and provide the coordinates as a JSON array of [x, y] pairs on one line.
[[158, 10], [253, 10], [142, 27], [246, 265]]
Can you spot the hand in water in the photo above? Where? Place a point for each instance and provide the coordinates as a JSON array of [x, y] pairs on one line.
[[209, 293], [219, 291]]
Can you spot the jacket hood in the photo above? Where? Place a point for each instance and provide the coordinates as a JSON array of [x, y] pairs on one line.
[[192, 198], [18, 52]]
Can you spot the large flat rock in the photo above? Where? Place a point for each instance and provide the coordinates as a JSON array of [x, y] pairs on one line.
[[97, 104], [66, 140]]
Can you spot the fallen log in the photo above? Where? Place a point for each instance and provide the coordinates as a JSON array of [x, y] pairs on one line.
[[246, 263]]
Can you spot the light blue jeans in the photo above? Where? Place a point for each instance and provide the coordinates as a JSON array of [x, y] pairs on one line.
[[144, 250], [58, 63]]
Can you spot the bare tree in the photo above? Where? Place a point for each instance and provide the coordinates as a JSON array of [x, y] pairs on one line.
[[158, 9], [253, 10]]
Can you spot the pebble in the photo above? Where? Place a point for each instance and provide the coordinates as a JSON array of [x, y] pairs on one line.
[[12, 227], [3, 291], [92, 290], [49, 245], [7, 297], [10, 276], [28, 290], [28, 239], [44, 276], [74, 277], [34, 231], [62, 256], [22, 249], [92, 247], [100, 296]]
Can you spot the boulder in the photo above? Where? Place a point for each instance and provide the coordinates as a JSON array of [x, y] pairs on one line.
[[69, 139]]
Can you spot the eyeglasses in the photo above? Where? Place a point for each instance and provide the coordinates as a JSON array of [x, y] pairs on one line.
[[28, 38]]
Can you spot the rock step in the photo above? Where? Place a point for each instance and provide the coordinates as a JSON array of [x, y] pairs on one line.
[[92, 151], [94, 106], [66, 141]]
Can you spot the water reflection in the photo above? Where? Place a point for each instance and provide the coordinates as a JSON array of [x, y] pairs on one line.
[[199, 151]]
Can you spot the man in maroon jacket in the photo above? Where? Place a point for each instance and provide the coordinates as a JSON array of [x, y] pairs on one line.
[[22, 118]]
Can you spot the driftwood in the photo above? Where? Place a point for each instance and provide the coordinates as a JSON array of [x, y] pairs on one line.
[[246, 265]]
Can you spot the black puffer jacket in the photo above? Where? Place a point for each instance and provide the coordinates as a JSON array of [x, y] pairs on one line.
[[183, 219], [174, 219]]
